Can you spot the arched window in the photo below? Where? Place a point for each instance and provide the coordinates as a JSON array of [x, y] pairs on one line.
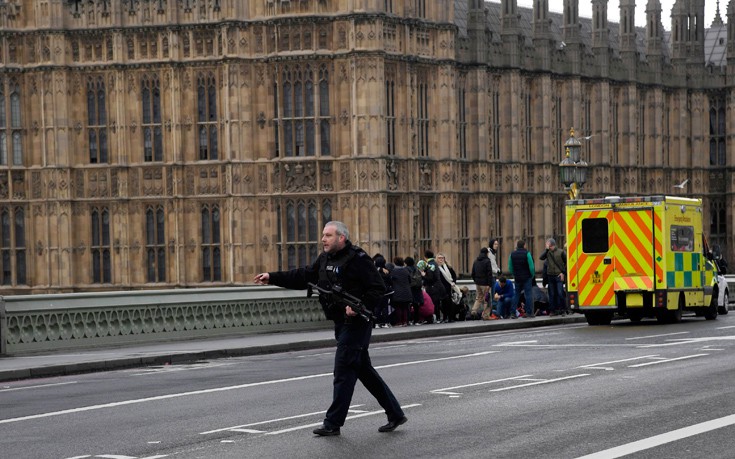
[[300, 224], [207, 116], [303, 112], [211, 243], [155, 244], [152, 128], [100, 248], [97, 120]]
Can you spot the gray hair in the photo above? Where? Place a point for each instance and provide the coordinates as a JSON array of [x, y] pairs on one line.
[[340, 228]]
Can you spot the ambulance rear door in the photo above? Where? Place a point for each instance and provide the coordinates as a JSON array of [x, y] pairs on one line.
[[636, 243], [591, 252]]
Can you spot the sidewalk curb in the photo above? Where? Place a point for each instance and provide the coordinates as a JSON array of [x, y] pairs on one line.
[[380, 335]]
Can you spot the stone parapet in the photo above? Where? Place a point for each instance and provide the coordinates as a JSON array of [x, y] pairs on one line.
[[43, 322]]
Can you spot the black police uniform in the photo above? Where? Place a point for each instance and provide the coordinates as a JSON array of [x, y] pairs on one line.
[[354, 270]]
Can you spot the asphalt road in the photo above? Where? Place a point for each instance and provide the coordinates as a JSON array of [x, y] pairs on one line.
[[636, 390]]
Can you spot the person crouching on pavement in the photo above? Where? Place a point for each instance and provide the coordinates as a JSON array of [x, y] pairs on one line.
[[503, 297], [348, 266]]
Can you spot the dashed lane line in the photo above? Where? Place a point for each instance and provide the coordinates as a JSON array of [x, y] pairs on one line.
[[361, 415], [449, 390], [598, 366], [260, 423], [656, 362], [656, 336], [535, 383], [39, 386]]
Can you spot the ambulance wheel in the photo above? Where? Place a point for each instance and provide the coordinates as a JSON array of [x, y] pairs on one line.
[[711, 313], [726, 302], [598, 318], [635, 316], [675, 315]]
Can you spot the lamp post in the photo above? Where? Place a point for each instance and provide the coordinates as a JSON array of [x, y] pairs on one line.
[[572, 169]]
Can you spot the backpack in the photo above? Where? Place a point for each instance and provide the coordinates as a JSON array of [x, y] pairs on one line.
[[417, 280]]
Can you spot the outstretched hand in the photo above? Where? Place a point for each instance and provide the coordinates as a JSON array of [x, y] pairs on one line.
[[262, 279]]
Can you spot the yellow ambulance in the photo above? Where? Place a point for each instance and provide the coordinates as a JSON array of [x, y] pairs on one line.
[[639, 257]]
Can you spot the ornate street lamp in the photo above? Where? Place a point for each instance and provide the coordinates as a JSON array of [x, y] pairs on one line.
[[573, 170]]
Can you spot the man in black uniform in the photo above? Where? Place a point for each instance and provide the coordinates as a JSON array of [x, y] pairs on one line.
[[344, 264]]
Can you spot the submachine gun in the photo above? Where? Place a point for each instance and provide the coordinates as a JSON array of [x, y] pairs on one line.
[[338, 295]]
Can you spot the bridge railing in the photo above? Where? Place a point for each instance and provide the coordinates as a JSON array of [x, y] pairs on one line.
[[30, 323]]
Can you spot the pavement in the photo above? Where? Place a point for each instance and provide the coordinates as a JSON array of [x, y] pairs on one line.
[[66, 362]]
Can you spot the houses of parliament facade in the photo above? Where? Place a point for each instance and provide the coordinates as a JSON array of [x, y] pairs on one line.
[[153, 144]]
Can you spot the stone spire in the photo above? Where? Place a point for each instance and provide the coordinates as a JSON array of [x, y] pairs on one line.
[[570, 29], [654, 28], [627, 26], [600, 29], [717, 21]]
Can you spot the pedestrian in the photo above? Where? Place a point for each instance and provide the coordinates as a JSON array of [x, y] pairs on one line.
[[492, 254], [417, 289], [348, 266], [448, 278], [433, 284], [556, 268], [503, 297], [482, 276], [402, 298], [382, 312], [520, 265]]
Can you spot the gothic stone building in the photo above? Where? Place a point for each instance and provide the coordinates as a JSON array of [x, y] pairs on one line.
[[183, 143]]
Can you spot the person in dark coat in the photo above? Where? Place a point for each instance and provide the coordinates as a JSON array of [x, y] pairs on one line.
[[402, 297], [433, 284], [382, 312], [417, 289], [520, 265], [482, 275], [349, 266]]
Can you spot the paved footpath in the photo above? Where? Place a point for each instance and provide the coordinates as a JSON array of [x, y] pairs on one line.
[[63, 362]]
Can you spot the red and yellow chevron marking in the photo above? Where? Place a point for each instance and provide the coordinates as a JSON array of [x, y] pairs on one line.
[[658, 247], [633, 283], [633, 241], [592, 277]]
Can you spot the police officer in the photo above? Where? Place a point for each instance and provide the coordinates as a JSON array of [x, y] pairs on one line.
[[344, 264]]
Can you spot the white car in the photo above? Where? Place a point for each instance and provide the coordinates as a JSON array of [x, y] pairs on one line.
[[723, 300]]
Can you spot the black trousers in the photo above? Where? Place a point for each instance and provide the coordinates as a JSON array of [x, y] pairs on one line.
[[352, 362]]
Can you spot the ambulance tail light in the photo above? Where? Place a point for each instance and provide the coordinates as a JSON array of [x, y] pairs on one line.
[[572, 298], [661, 299]]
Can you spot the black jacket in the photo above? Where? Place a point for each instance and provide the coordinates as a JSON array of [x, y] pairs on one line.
[[357, 276], [482, 270]]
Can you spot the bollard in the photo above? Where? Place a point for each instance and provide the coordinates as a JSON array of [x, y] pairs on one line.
[[3, 326]]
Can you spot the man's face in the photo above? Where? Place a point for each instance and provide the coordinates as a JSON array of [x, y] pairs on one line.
[[331, 241]]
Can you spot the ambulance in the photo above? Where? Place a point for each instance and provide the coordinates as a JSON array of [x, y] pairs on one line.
[[639, 257]]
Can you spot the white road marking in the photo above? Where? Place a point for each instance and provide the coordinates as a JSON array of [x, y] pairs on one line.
[[252, 431], [223, 389], [314, 355], [259, 423], [725, 328], [518, 343], [656, 362], [176, 368], [546, 381], [597, 366], [657, 336], [38, 386], [662, 439], [307, 426], [447, 390], [677, 342]]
